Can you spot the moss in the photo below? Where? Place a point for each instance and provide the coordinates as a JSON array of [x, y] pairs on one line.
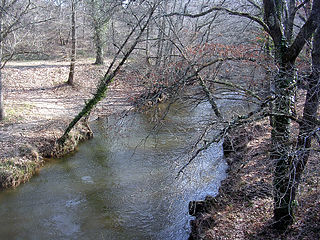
[[78, 134], [99, 95], [17, 170]]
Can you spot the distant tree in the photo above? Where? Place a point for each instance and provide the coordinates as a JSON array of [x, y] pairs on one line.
[[100, 12], [73, 43], [1, 40], [12, 13]]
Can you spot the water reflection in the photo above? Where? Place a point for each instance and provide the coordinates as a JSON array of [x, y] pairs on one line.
[[120, 185]]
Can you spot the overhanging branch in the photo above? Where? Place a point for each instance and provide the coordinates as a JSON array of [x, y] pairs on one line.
[[239, 121], [229, 11]]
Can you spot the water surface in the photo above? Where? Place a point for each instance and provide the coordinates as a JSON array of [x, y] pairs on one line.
[[122, 184]]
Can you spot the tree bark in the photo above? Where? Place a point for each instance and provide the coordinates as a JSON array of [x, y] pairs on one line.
[[2, 114], [284, 91], [281, 148], [160, 41], [98, 38], [73, 44], [309, 120]]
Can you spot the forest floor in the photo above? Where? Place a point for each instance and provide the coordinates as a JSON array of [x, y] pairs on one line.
[[39, 106], [244, 207]]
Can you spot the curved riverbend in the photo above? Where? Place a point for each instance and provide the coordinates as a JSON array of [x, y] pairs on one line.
[[120, 185]]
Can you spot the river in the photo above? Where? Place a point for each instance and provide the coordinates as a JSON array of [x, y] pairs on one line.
[[122, 184]]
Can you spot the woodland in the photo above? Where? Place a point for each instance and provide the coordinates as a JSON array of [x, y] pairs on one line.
[[65, 62]]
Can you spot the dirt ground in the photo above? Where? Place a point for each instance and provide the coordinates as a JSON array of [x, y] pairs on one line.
[[39, 105]]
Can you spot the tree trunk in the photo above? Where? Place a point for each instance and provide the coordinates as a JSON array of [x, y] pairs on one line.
[[98, 35], [2, 115], [289, 20], [73, 44], [289, 167], [281, 148], [284, 92], [1, 88], [160, 40], [309, 119]]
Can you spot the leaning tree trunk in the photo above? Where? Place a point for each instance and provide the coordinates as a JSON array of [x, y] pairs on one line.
[[73, 44], [109, 76]]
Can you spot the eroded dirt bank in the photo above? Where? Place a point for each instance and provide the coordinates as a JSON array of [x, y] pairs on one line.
[[243, 208], [39, 106]]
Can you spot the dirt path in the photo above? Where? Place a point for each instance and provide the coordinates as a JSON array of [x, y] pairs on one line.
[[39, 106]]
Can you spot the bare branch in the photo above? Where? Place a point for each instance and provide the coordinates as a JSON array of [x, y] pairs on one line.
[[239, 121], [301, 5], [229, 11], [305, 33], [256, 5]]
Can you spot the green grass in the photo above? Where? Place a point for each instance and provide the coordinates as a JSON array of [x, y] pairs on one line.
[[13, 172], [17, 112]]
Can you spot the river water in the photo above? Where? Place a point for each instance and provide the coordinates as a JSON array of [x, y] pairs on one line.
[[122, 184]]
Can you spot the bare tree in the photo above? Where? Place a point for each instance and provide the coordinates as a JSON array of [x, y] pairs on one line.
[[284, 91], [73, 43], [12, 13], [309, 125], [1, 91], [100, 13]]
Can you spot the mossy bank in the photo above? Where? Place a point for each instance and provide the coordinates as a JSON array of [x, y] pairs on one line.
[[29, 158]]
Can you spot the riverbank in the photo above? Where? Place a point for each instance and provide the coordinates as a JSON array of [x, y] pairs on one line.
[[243, 208], [39, 106]]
